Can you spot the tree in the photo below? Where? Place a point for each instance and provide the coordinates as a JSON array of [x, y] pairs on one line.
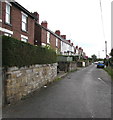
[[94, 57]]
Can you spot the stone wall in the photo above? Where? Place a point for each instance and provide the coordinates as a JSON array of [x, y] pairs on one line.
[[19, 82], [72, 66], [67, 66]]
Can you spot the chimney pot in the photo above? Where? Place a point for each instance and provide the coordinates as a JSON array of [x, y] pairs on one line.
[[57, 32], [36, 15], [76, 47], [63, 36], [44, 24], [69, 41]]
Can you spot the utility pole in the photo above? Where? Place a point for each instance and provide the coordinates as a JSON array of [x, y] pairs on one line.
[[98, 54], [106, 48]]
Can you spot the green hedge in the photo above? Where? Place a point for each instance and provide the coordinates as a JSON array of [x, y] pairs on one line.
[[74, 58], [110, 71], [18, 53]]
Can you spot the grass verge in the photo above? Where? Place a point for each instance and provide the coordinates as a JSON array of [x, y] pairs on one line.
[[109, 70]]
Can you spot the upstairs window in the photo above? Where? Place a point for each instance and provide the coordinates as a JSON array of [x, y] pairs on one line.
[[8, 13], [56, 42], [48, 37], [24, 22]]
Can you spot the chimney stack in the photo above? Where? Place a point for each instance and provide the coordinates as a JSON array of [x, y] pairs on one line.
[[76, 47], [69, 41], [37, 16], [63, 36], [57, 32], [44, 24], [80, 48], [72, 44]]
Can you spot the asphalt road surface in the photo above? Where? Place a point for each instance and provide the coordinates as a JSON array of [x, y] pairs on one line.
[[82, 94]]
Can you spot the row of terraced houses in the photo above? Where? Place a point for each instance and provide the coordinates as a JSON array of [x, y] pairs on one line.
[[18, 22]]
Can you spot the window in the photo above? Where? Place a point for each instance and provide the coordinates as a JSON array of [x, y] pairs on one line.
[[24, 22], [24, 38], [6, 34], [8, 13], [48, 37], [56, 42]]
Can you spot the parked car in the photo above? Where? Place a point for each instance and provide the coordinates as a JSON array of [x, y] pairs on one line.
[[100, 64], [96, 63]]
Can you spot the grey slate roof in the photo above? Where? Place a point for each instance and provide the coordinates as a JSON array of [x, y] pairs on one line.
[[63, 40]]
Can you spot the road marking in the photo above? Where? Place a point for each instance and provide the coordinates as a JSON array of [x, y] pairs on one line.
[[101, 80]]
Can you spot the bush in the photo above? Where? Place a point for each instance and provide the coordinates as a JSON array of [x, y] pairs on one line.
[[110, 71], [18, 53], [60, 57]]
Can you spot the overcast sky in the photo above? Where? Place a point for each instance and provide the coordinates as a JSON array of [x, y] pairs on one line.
[[79, 20]]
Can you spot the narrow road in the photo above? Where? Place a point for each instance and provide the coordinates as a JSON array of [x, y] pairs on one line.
[[82, 94]]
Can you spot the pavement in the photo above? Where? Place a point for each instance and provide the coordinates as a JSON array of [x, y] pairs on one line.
[[85, 93]]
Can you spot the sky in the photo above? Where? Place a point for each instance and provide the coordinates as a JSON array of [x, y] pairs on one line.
[[79, 20]]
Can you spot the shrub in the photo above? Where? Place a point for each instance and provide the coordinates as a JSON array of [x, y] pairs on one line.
[[18, 53]]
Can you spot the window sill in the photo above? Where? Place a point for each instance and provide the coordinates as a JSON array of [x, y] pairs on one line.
[[24, 31], [8, 24]]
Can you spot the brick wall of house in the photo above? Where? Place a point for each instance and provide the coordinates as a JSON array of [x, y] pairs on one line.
[[43, 36], [0, 10], [37, 36], [52, 41], [16, 18], [59, 44]]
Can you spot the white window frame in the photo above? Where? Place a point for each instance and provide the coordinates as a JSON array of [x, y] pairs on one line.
[[24, 22], [8, 13], [24, 38], [48, 37], [7, 34], [56, 42], [6, 30]]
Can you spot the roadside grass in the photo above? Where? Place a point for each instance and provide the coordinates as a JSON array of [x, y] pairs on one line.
[[109, 70], [73, 71]]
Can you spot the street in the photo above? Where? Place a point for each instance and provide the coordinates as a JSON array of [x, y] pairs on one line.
[[85, 93]]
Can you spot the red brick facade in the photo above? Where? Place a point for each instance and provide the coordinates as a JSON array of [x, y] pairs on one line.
[[41, 32], [52, 41], [43, 36], [16, 23], [35, 33]]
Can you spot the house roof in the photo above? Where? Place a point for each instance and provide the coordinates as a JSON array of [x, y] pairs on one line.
[[59, 37], [23, 9], [31, 15]]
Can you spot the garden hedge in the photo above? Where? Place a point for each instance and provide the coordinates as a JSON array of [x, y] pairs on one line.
[[18, 53]]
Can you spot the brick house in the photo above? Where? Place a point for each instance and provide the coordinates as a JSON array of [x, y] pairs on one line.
[[45, 37], [17, 22]]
